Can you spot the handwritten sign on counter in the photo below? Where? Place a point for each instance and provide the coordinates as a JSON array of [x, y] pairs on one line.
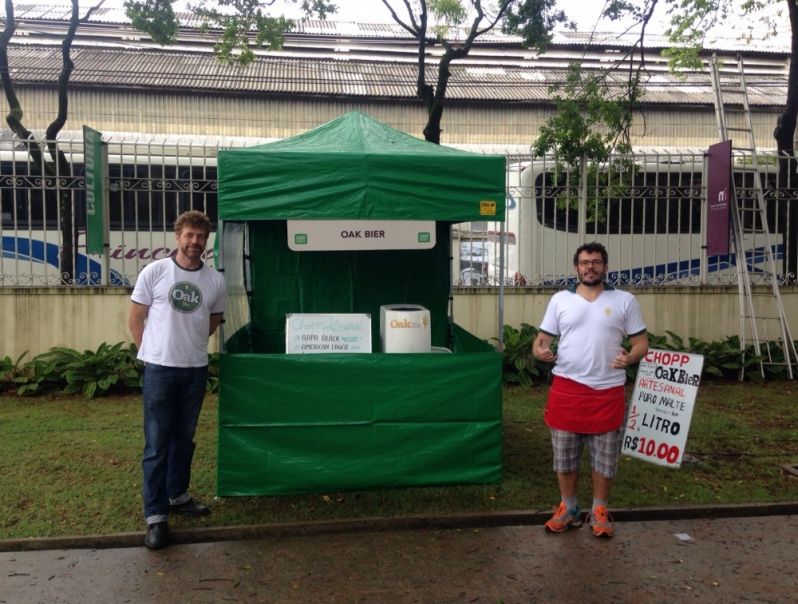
[[327, 333]]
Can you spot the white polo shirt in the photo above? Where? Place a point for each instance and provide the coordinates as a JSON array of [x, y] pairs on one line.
[[591, 334]]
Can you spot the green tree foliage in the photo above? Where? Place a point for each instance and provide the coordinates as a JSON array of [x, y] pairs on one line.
[[455, 25], [590, 121], [595, 109], [534, 21], [240, 24], [589, 136], [692, 19]]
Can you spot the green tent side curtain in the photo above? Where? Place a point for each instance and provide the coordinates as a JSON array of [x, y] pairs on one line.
[[356, 168]]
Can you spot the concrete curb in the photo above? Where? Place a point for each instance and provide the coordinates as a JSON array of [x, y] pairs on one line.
[[379, 524]]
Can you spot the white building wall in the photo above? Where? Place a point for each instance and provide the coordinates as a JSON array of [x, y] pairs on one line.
[[36, 319]]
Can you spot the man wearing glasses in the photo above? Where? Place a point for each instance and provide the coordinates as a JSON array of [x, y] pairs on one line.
[[586, 402]]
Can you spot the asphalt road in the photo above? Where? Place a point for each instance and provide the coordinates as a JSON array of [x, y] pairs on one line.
[[723, 559]]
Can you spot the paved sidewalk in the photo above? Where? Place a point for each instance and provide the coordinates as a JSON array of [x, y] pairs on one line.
[[729, 559]]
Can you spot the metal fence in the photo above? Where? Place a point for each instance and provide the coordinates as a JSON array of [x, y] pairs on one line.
[[648, 209], [150, 182]]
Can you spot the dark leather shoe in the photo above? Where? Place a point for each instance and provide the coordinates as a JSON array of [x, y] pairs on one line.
[[190, 508], [157, 535]]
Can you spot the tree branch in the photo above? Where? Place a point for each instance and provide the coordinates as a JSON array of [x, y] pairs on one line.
[[413, 29], [14, 117]]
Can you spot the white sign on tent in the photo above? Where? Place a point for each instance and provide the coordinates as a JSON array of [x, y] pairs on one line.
[[332, 235]]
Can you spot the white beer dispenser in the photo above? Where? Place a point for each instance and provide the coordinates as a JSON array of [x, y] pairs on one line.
[[405, 328]]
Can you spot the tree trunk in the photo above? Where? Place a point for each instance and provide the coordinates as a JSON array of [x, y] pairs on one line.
[[57, 164], [66, 225], [432, 131], [434, 97]]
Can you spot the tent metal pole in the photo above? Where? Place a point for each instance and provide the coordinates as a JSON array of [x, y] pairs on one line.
[[501, 286], [218, 261], [451, 285]]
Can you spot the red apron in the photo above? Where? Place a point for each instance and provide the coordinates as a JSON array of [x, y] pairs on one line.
[[574, 407]]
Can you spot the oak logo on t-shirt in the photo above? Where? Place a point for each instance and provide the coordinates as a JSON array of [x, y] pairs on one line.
[[185, 297]]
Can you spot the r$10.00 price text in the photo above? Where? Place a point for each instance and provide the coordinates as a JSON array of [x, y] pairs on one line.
[[650, 448]]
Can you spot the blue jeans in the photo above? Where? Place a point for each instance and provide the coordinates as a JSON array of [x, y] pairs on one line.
[[172, 403]]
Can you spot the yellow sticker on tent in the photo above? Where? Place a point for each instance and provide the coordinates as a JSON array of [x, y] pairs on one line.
[[487, 208]]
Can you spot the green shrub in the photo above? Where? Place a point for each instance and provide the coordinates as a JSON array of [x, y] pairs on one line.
[[44, 372], [213, 373], [110, 368], [9, 369], [96, 373], [520, 366], [113, 368], [89, 373], [723, 359]]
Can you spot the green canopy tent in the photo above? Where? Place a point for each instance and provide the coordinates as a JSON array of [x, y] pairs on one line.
[[294, 423]]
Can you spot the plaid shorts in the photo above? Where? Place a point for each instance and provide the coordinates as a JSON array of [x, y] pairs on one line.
[[605, 450]]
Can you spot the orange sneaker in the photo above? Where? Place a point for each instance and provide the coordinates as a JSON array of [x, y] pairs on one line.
[[563, 519], [600, 522]]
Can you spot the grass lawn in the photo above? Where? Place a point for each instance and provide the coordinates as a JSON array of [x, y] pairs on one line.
[[72, 466]]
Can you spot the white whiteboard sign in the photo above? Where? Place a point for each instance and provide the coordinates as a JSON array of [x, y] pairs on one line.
[[331, 235], [327, 333], [662, 406]]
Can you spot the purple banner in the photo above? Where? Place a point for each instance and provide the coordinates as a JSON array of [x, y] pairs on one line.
[[718, 198]]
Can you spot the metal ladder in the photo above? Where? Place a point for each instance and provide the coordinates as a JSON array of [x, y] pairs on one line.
[[763, 316]]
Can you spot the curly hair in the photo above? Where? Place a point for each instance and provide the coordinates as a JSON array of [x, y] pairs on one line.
[[195, 219]]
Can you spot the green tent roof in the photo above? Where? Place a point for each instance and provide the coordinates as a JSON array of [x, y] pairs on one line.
[[358, 169]]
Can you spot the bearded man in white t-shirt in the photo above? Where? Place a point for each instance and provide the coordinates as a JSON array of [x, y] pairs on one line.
[[177, 304], [586, 402]]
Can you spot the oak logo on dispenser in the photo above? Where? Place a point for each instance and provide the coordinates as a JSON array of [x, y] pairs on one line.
[[185, 297], [408, 324]]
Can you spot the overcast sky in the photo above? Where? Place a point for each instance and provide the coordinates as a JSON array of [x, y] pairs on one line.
[[584, 12], [374, 11]]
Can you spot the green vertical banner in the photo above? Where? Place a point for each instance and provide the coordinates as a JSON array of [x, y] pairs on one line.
[[96, 198]]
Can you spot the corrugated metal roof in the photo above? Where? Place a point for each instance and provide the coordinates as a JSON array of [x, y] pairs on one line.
[[391, 30], [274, 74], [328, 58]]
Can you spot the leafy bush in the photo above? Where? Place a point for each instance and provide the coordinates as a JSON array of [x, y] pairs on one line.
[[213, 373], [9, 369], [722, 359], [98, 372], [43, 373], [110, 368], [114, 368], [89, 373], [520, 366]]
